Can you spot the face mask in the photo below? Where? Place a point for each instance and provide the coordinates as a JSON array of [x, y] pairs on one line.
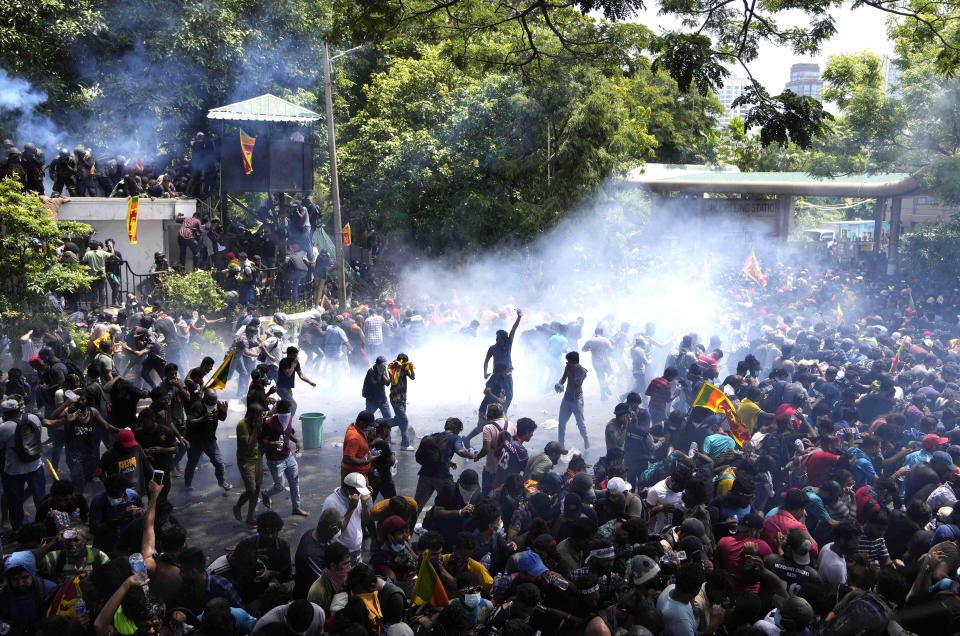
[[471, 600], [116, 502], [397, 547], [284, 419], [500, 528]]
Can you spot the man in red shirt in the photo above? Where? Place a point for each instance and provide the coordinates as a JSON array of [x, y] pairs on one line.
[[660, 393], [356, 449], [789, 516], [275, 437], [820, 462], [733, 550]]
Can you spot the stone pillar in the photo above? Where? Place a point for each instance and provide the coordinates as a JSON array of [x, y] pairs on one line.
[[785, 209], [878, 212]]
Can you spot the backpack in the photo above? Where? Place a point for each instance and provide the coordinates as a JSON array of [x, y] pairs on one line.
[[432, 452], [73, 368], [27, 443]]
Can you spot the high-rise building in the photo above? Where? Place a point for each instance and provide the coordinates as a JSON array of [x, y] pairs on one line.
[[733, 87], [891, 76], [805, 80]]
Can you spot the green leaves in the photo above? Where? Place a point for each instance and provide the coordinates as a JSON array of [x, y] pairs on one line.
[[186, 292], [29, 267], [689, 60], [785, 118]]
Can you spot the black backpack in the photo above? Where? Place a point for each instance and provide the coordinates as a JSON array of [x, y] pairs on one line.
[[27, 442], [73, 368], [432, 451]]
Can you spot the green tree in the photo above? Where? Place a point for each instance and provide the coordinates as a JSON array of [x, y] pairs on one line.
[[185, 292], [933, 252], [29, 267]]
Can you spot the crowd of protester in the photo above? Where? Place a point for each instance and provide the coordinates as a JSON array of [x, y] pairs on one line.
[[836, 513]]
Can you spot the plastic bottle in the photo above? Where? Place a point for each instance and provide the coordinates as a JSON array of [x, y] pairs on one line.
[[558, 582], [138, 568], [79, 606], [693, 449], [485, 561]]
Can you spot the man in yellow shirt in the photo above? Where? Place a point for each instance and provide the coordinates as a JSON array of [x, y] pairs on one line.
[[749, 412]]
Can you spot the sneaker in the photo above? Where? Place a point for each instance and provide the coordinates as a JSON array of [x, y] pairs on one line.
[[251, 525], [226, 485], [300, 512], [408, 448], [265, 499], [188, 488]]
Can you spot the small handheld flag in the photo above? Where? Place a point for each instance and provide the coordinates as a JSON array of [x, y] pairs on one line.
[[219, 379], [246, 149], [839, 315], [347, 235], [751, 269], [429, 588], [710, 397]]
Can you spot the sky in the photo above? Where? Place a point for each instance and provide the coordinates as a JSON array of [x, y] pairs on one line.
[[857, 30]]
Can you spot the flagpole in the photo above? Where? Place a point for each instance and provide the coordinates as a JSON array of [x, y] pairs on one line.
[[334, 179]]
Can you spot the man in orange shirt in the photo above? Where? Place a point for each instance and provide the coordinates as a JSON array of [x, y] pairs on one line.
[[356, 449]]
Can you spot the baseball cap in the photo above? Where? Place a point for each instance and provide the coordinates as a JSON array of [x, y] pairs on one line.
[[9, 405], [126, 438], [618, 484], [943, 457], [642, 569], [391, 524], [692, 527], [553, 479], [545, 542], [35, 359], [932, 440], [365, 417], [796, 613], [358, 481], [692, 546], [531, 563], [621, 409], [799, 546], [555, 447]]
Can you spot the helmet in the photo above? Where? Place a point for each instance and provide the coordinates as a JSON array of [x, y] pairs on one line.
[[276, 330], [280, 318], [64, 152]]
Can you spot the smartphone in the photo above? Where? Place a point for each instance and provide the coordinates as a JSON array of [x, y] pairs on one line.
[[158, 477]]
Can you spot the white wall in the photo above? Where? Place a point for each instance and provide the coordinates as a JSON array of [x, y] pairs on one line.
[[156, 229]]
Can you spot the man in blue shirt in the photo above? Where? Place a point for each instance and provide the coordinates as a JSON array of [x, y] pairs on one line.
[[501, 354]]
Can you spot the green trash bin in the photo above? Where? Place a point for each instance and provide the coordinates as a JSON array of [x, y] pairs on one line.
[[312, 429]]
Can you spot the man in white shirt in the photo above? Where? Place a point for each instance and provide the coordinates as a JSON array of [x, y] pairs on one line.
[[833, 556], [351, 495], [662, 498]]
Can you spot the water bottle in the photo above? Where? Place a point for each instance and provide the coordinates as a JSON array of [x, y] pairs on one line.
[[558, 582], [485, 561], [693, 449], [79, 606], [4, 628], [138, 568]]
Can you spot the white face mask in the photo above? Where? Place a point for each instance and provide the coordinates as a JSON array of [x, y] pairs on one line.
[[284, 418], [116, 502], [471, 600]]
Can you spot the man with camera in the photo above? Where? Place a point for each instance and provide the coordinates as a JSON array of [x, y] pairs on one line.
[[202, 419]]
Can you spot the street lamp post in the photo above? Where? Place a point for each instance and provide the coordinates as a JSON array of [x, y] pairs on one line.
[[334, 179]]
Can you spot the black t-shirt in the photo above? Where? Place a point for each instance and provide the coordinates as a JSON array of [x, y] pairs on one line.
[[310, 561], [205, 431], [795, 576], [124, 397], [285, 381], [131, 463], [160, 436], [382, 463], [81, 433]]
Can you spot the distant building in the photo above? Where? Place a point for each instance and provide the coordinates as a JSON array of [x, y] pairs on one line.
[[805, 80], [891, 77], [732, 89]]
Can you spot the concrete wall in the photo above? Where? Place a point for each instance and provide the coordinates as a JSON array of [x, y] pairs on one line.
[[156, 228]]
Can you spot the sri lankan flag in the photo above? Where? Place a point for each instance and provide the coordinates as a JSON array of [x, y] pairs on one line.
[[710, 397], [219, 379], [751, 269], [912, 306], [246, 149], [133, 209], [429, 588], [347, 235], [839, 315]]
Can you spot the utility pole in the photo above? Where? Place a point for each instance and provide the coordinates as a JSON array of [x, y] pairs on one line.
[[334, 180]]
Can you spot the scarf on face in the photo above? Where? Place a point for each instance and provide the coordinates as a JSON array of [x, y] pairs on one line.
[[395, 368], [337, 578]]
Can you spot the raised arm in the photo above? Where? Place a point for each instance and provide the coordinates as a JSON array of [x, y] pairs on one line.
[[513, 330]]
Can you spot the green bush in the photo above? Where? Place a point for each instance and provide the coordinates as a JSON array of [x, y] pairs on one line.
[[182, 293]]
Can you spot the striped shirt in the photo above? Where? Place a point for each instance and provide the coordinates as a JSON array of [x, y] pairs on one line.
[[875, 548], [190, 227], [659, 393]]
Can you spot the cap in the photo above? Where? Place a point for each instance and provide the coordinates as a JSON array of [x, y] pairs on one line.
[[391, 524], [126, 438], [555, 447], [642, 569], [545, 542], [469, 477], [365, 417], [943, 457], [35, 359], [531, 563], [750, 521], [799, 545], [358, 481], [692, 546], [553, 479], [621, 409], [9, 405], [692, 527], [618, 484], [796, 614], [932, 440]]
